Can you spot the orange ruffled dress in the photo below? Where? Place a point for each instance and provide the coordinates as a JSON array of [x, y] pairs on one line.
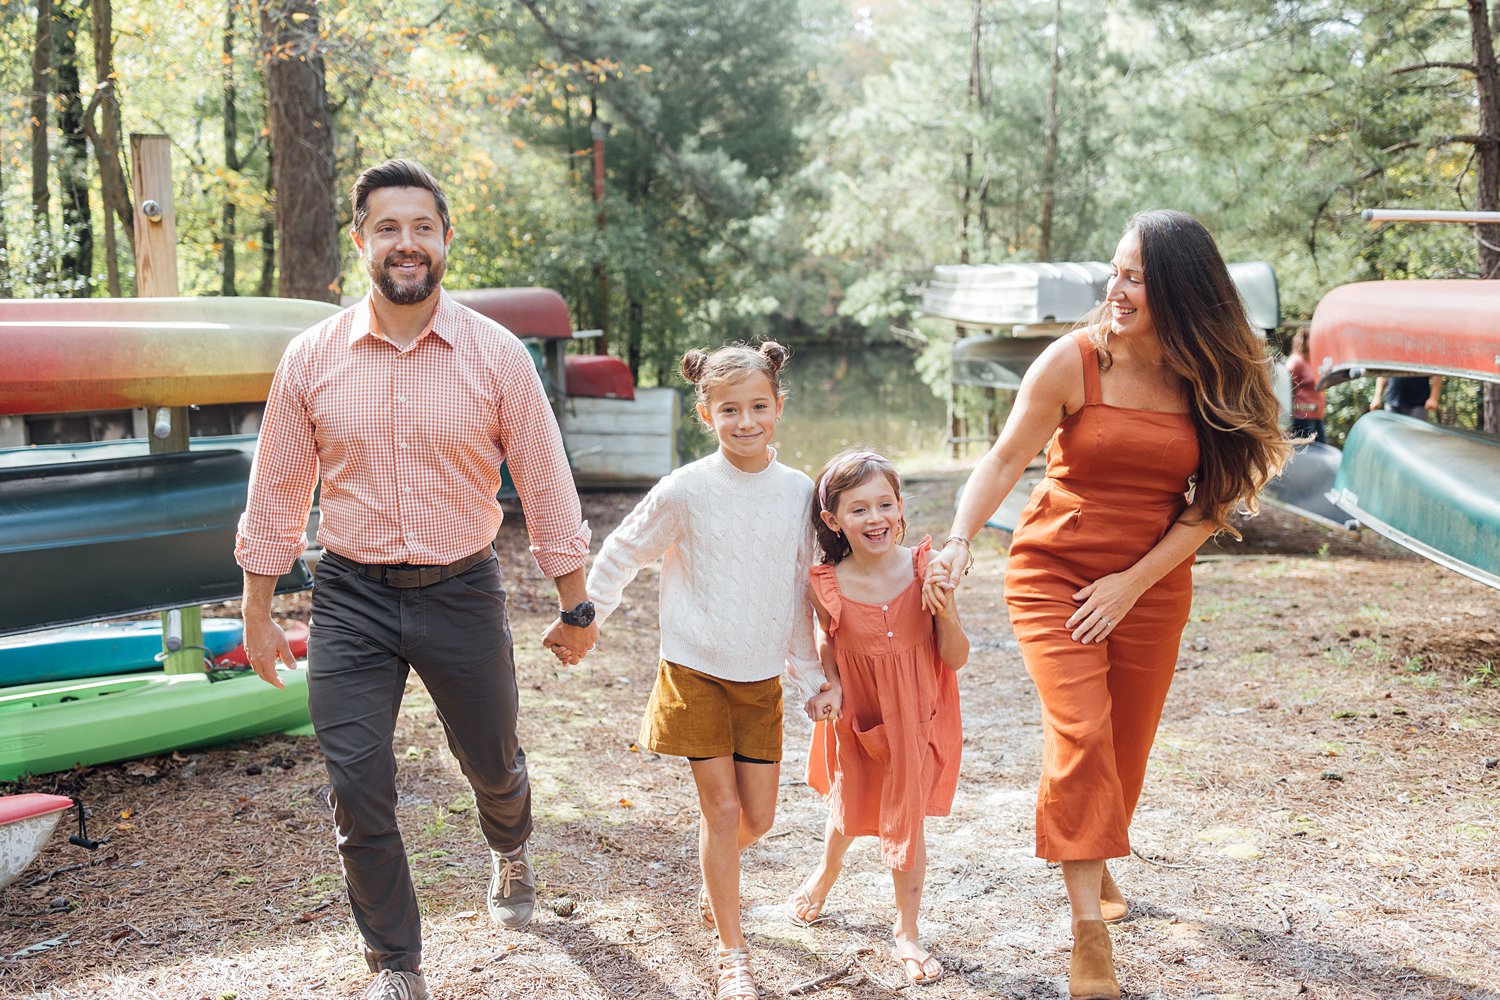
[[892, 758]]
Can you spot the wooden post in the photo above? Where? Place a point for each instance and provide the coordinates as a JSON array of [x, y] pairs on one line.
[[156, 277]]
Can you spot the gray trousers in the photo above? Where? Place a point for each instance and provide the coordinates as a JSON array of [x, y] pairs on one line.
[[363, 639]]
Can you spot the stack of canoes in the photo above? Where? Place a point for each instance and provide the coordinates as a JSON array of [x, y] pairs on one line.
[[1435, 490], [101, 535]]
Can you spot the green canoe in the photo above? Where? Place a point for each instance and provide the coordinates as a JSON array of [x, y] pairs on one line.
[[52, 727], [1433, 489]]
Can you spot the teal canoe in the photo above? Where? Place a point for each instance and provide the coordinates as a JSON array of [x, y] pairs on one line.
[[55, 726], [89, 541], [63, 654], [1435, 490]]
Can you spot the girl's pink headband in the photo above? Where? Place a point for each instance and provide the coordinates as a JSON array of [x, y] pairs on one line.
[[857, 456]]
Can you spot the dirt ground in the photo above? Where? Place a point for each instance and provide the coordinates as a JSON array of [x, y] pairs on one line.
[[1320, 819]]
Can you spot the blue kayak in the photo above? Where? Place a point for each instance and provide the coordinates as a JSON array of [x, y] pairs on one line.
[[62, 654]]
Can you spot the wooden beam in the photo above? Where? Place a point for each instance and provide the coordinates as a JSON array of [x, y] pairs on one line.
[[156, 277]]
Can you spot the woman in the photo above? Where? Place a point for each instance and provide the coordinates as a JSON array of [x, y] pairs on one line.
[[1162, 423], [1307, 402]]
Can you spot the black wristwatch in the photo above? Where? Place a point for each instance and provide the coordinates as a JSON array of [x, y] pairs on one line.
[[580, 617]]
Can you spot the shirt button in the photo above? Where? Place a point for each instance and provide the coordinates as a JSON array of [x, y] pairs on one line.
[[406, 489], [885, 607], [400, 399], [890, 635], [402, 443]]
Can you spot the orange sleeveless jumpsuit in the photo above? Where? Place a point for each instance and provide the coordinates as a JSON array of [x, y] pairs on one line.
[[1116, 481]]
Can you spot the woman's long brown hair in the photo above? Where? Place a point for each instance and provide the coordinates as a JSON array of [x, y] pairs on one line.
[[1207, 340]]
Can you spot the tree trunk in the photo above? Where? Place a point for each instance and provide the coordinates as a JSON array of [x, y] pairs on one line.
[[267, 283], [41, 93], [231, 157], [976, 100], [73, 156], [5, 270], [302, 138], [1049, 154], [1487, 154], [106, 137]]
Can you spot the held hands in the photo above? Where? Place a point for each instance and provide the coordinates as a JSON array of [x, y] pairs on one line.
[[265, 644], [1105, 601], [826, 704], [569, 643], [944, 570]]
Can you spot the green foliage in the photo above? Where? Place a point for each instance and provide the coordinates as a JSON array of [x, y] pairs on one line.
[[796, 167]]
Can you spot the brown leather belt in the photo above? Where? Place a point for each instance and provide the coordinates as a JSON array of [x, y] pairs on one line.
[[407, 575]]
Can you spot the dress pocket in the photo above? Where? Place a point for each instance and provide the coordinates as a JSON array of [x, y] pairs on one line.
[[874, 742]]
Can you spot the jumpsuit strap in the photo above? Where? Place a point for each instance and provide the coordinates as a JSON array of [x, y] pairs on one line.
[[1090, 367]]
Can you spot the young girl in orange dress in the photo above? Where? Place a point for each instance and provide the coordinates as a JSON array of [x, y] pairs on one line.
[[888, 738], [1162, 423]]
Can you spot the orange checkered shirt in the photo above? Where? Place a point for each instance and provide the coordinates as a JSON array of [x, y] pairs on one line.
[[409, 444]]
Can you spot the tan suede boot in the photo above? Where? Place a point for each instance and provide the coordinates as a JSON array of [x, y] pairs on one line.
[[1112, 902], [1091, 971]]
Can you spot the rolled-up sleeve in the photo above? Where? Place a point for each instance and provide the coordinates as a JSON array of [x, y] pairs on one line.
[[273, 529], [538, 464]]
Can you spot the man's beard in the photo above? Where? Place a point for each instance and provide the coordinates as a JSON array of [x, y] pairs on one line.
[[406, 293]]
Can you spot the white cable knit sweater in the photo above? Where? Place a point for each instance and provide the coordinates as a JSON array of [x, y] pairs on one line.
[[735, 549]]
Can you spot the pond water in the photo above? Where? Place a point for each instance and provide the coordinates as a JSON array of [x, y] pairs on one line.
[[845, 397]]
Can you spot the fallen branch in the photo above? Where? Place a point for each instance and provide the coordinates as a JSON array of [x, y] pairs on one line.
[[813, 985]]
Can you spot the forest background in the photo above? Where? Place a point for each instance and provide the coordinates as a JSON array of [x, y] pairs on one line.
[[783, 168]]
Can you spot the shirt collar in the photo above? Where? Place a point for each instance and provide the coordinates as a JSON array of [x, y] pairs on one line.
[[443, 322]]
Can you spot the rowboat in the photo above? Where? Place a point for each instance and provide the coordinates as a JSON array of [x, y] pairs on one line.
[[97, 650], [26, 821], [1447, 327], [1435, 490], [88, 541], [97, 720]]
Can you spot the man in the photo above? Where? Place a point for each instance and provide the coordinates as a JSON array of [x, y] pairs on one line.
[[1411, 395], [405, 406]]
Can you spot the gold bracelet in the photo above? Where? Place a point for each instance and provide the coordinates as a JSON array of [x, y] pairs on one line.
[[968, 552]]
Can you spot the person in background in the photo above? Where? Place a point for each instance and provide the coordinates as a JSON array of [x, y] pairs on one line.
[[1411, 395], [1162, 425], [404, 407], [1307, 400]]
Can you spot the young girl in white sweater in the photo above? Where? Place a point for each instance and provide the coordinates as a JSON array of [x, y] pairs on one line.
[[735, 543]]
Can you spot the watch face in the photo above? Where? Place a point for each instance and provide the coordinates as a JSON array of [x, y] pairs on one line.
[[581, 616]]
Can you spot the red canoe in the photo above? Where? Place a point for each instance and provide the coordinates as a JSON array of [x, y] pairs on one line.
[[1449, 327]]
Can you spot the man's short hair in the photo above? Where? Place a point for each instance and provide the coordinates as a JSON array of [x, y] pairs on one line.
[[395, 173]]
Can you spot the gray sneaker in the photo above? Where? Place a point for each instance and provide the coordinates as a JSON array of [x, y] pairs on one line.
[[512, 888], [393, 984]]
